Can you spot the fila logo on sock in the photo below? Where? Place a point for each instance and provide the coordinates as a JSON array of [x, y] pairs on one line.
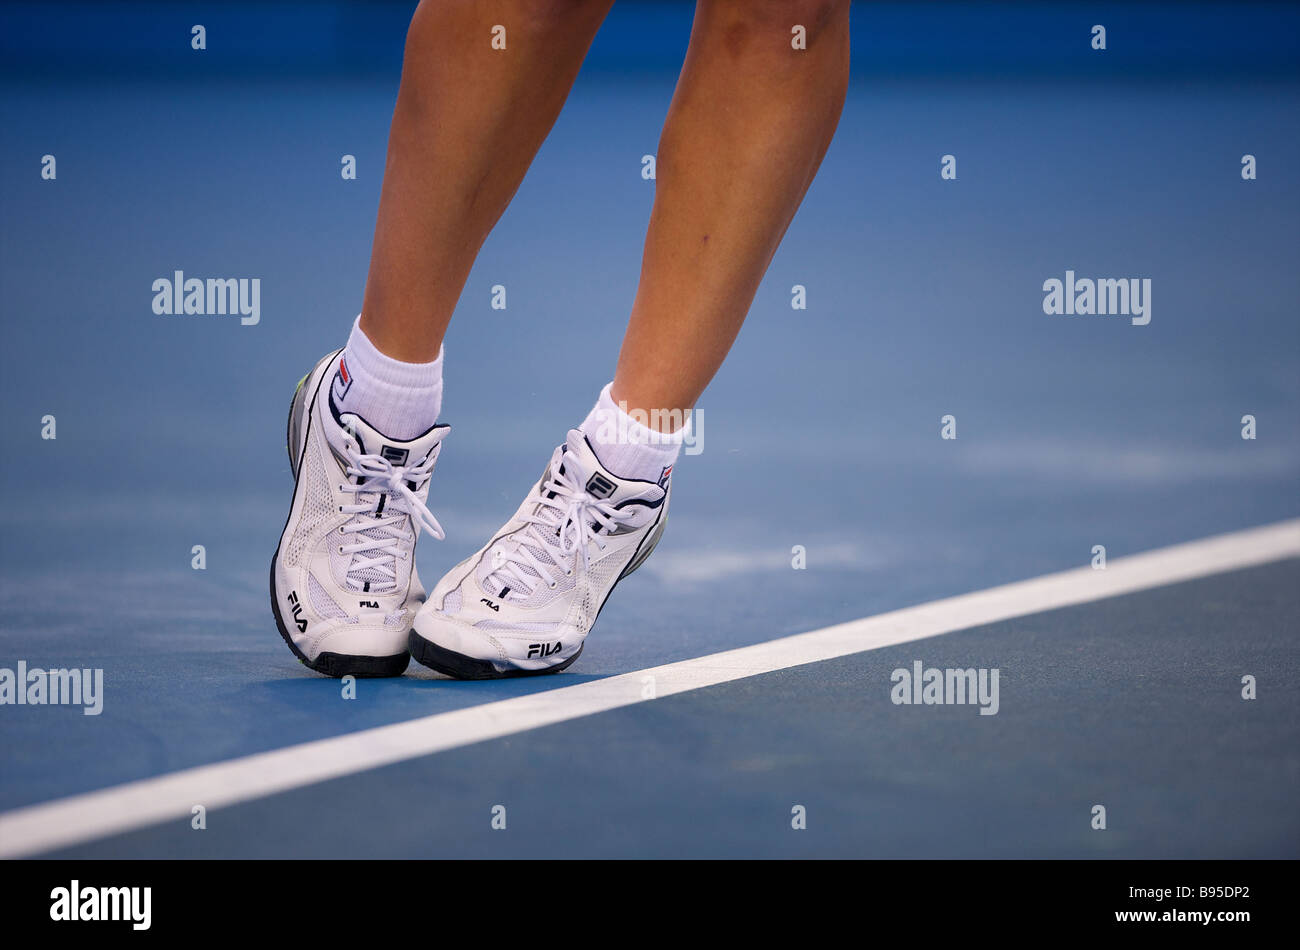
[[664, 476], [342, 380], [598, 486]]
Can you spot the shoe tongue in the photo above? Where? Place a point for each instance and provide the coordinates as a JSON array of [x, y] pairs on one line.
[[580, 462], [397, 451], [400, 453]]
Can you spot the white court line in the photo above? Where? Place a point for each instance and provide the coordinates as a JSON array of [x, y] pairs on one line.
[[81, 818]]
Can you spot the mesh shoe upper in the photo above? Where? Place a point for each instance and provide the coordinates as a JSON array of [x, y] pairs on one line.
[[550, 568], [344, 575]]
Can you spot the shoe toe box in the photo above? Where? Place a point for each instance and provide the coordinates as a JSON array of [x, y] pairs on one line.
[[459, 636], [360, 640]]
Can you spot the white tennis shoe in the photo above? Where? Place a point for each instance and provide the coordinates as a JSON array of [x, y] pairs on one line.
[[344, 589], [526, 601]]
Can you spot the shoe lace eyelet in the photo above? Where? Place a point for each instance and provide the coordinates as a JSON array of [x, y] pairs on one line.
[[552, 585]]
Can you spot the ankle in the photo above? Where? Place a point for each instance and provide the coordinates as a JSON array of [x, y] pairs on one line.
[[626, 445]]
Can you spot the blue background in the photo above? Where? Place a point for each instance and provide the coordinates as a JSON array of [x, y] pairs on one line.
[[822, 430]]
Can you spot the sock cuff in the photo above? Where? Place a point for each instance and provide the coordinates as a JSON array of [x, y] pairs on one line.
[[399, 399], [612, 425], [364, 358]]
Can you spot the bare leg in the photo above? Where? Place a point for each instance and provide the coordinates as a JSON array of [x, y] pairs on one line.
[[750, 121], [469, 120]]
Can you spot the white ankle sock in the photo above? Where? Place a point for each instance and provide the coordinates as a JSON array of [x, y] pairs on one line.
[[626, 446], [401, 400]]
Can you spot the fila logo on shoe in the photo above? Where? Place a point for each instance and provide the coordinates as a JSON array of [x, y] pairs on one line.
[[598, 486], [298, 618], [544, 649], [372, 604], [484, 600]]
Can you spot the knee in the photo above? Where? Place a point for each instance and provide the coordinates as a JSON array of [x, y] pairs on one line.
[[557, 16], [750, 25], [788, 13]]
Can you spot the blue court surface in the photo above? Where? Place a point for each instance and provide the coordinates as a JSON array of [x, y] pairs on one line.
[[1163, 688]]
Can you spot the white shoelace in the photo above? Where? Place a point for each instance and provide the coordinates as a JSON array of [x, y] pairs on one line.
[[566, 522], [379, 548]]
